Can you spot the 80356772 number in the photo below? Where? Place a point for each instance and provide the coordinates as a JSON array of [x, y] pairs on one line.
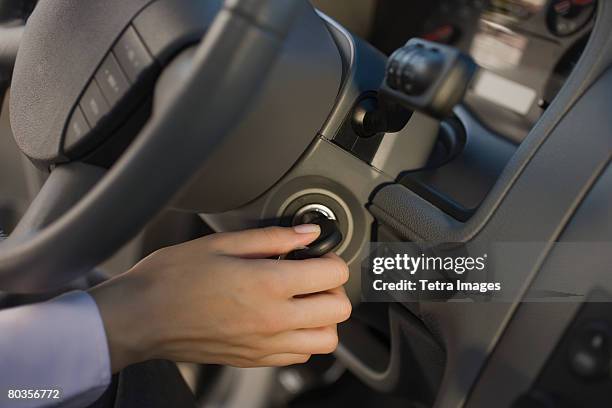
[[33, 394]]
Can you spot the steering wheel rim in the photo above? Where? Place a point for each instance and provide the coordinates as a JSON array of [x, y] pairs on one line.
[[79, 210]]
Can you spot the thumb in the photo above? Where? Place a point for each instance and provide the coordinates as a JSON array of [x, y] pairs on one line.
[[266, 242]]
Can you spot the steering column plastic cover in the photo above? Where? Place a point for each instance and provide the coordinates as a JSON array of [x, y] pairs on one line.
[[291, 106]]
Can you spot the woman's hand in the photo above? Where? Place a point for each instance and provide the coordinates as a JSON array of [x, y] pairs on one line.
[[218, 300]]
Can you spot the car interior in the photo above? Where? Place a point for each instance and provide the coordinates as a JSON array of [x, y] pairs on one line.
[[130, 125]]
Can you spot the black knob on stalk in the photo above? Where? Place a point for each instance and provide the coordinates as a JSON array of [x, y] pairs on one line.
[[420, 76], [428, 77]]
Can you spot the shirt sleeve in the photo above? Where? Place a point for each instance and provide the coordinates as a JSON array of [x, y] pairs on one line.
[[59, 344]]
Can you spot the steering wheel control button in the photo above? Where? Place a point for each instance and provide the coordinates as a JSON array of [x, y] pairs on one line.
[[112, 80], [93, 104], [132, 54], [76, 130]]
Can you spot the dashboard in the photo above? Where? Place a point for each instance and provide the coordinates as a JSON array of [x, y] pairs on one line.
[[527, 49]]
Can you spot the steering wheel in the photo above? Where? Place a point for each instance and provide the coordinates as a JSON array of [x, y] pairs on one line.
[[67, 58]]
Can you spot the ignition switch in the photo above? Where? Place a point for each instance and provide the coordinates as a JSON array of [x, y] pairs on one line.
[[330, 236]]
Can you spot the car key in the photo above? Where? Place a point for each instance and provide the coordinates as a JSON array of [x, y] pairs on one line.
[[330, 237]]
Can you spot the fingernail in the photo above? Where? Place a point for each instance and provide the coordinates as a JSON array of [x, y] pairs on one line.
[[307, 229]]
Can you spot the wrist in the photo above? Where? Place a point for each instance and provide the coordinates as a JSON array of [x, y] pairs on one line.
[[122, 318]]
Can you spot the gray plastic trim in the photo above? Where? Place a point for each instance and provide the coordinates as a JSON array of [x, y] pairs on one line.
[[545, 323]]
